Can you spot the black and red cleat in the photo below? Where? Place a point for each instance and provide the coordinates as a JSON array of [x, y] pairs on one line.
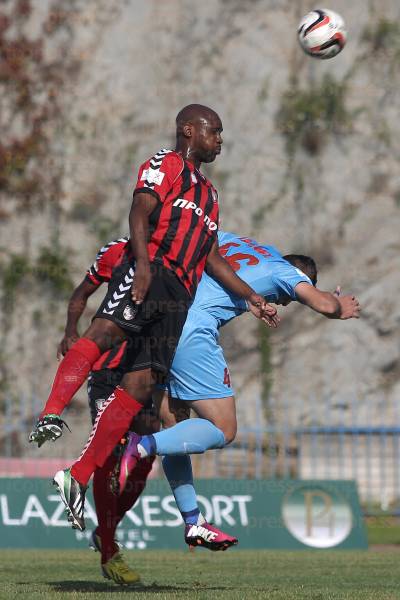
[[49, 427], [208, 536]]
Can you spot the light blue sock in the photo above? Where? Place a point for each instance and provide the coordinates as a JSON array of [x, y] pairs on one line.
[[193, 436], [178, 471]]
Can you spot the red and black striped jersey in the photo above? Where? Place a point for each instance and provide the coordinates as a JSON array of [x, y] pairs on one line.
[[108, 257], [184, 225]]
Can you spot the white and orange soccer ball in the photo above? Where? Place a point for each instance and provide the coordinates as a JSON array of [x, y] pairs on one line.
[[322, 33]]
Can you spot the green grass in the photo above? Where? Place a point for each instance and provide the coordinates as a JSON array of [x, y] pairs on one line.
[[383, 530], [233, 575]]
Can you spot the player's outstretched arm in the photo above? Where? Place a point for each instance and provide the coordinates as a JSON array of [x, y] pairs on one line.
[[76, 305], [143, 205], [330, 305], [221, 270]]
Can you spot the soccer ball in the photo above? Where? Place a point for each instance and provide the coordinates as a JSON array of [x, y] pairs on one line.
[[322, 33]]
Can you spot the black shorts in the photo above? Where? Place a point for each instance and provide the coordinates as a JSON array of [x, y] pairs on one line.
[[155, 326], [101, 385]]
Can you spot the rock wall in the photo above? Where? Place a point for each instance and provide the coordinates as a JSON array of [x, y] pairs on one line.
[[89, 89]]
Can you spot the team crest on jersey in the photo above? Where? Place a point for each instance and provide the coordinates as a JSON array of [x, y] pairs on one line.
[[129, 313], [214, 195], [152, 176], [194, 178]]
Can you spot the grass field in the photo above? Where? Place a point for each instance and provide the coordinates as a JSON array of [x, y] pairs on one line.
[[233, 575], [383, 530]]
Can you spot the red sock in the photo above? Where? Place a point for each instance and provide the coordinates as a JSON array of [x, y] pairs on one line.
[[134, 486], [110, 508], [72, 372], [106, 508], [112, 421]]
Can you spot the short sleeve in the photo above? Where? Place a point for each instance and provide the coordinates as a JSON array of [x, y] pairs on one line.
[[158, 174], [107, 258], [287, 279]]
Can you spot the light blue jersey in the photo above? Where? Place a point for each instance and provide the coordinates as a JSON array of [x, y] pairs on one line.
[[199, 369], [262, 267]]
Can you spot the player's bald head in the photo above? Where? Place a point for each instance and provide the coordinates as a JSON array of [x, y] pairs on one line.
[[198, 133], [195, 113]]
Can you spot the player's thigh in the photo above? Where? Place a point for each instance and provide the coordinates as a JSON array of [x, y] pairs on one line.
[[150, 351], [139, 384], [199, 369], [171, 410], [105, 334], [221, 412]]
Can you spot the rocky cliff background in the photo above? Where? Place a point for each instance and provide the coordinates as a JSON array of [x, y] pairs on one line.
[[310, 163]]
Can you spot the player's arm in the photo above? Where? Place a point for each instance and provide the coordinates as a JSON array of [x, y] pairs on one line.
[[76, 305], [154, 182], [220, 269], [143, 205], [329, 305]]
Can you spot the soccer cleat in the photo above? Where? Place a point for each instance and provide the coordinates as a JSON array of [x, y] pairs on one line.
[[73, 495], [117, 570], [95, 542], [49, 427], [126, 464], [208, 536]]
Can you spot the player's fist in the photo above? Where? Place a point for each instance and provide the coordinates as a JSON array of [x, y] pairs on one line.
[[262, 310], [66, 343], [141, 281], [350, 307]]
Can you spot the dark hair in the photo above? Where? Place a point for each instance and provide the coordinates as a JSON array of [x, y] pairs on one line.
[[305, 264]]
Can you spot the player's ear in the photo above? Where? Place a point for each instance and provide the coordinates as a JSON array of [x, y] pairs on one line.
[[187, 130]]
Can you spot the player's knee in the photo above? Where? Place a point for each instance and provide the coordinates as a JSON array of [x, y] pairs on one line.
[[172, 412], [168, 421], [146, 422], [229, 431], [139, 384], [141, 391], [105, 334]]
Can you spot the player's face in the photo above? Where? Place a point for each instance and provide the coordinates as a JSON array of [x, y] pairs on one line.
[[207, 139]]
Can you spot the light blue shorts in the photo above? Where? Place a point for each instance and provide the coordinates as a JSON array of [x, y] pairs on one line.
[[199, 370]]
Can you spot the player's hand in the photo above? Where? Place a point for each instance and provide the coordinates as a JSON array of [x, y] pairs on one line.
[[350, 307], [66, 343], [141, 281], [262, 310]]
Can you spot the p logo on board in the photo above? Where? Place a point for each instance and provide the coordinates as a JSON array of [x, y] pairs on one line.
[[316, 516]]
